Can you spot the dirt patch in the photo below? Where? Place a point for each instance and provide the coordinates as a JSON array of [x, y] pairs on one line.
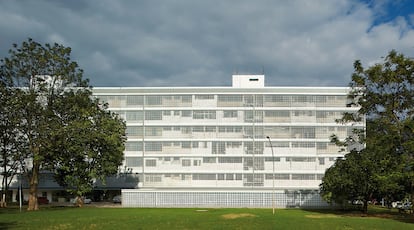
[[237, 215], [373, 215], [322, 216]]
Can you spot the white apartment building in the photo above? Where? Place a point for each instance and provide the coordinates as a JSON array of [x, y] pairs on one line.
[[248, 145], [240, 137]]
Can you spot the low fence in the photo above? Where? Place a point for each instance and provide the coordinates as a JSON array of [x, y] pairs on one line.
[[221, 199]]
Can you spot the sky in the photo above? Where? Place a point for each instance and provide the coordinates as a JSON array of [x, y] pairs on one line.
[[159, 43]]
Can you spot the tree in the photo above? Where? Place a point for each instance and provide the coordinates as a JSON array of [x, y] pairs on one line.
[[9, 142], [350, 179], [385, 94], [89, 143], [45, 81], [388, 99]]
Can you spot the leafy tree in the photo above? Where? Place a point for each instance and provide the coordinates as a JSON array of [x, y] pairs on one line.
[[350, 179], [385, 94], [9, 141], [388, 99], [89, 143], [46, 81]]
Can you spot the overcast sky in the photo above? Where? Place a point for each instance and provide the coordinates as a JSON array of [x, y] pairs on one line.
[[202, 43]]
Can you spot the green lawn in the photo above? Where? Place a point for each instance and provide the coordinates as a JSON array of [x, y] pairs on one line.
[[145, 218]]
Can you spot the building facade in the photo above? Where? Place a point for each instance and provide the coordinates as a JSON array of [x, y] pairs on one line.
[[244, 136]]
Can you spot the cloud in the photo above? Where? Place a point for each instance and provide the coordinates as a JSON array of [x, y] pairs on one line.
[[183, 43]]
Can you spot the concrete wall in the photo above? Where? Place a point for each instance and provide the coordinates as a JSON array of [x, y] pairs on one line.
[[221, 199]]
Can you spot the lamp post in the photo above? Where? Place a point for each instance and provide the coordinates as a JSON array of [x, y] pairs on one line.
[[273, 176]]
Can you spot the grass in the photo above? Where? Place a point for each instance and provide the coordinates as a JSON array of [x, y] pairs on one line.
[[146, 218]]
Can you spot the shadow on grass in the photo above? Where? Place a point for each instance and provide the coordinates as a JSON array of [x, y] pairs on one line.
[[7, 225], [373, 211]]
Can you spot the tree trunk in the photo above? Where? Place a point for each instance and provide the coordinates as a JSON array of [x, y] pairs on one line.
[[365, 206], [412, 197], [34, 181], [79, 201], [4, 189], [3, 203]]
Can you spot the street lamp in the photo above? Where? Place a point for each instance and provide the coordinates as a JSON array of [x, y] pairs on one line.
[[273, 176]]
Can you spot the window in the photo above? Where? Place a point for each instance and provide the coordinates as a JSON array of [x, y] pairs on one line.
[[134, 131], [303, 144], [321, 145], [301, 159], [303, 177], [272, 159], [151, 163], [209, 160], [186, 144], [232, 98], [186, 177], [277, 100], [302, 132], [187, 99], [196, 162], [153, 131], [321, 160], [204, 97], [153, 100], [299, 99], [218, 147], [153, 115], [277, 176], [229, 113], [186, 162], [210, 129], [186, 130], [133, 161], [153, 178], [134, 100], [113, 100], [204, 176], [198, 129], [133, 146], [176, 160], [302, 113], [277, 113], [134, 116], [230, 160], [204, 114], [153, 146], [186, 113], [279, 144], [233, 144]]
